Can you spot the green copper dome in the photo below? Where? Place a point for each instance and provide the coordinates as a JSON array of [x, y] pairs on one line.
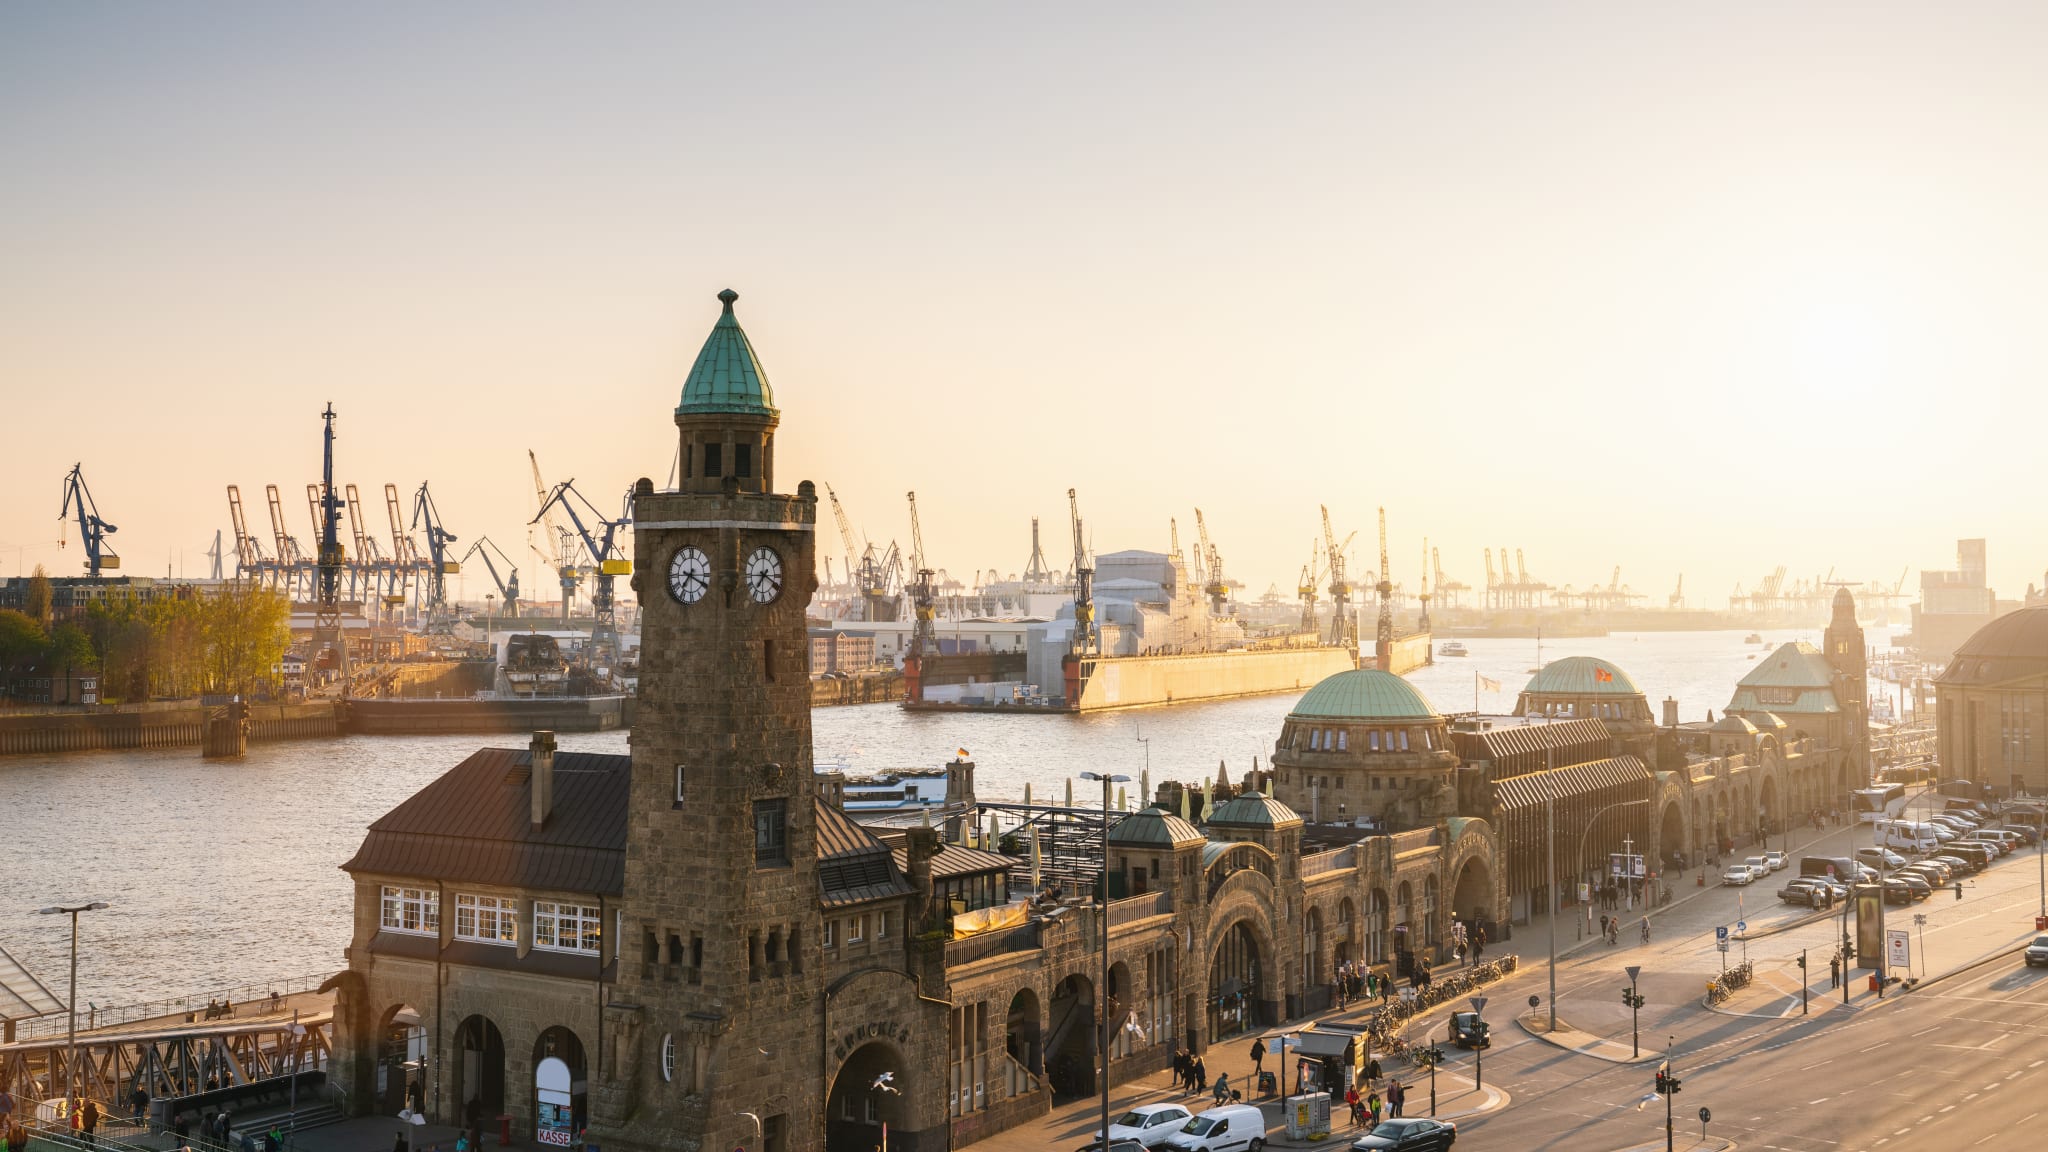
[[727, 378], [1255, 810], [1364, 694], [1581, 676], [1153, 827]]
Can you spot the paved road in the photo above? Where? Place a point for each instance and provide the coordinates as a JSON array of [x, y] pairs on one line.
[[1960, 1062]]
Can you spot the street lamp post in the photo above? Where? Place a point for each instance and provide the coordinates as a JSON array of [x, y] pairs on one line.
[[71, 1001], [1550, 825], [1108, 780]]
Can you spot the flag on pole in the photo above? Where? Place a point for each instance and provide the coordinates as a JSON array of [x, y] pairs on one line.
[[1489, 684], [1602, 676]]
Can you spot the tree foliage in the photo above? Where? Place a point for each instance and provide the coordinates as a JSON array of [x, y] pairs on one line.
[[229, 642], [40, 597]]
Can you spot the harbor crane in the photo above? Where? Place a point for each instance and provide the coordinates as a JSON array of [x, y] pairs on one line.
[[1037, 572], [605, 556], [440, 564], [853, 549], [923, 637], [1423, 623], [508, 586], [1343, 626], [1383, 636], [290, 557], [1676, 601], [249, 559], [92, 531], [1213, 586], [405, 551], [1310, 574], [1450, 593], [1087, 637], [563, 560]]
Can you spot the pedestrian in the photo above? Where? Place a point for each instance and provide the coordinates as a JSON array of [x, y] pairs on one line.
[[1201, 1075], [397, 1141], [91, 1122], [1478, 941], [6, 1109], [275, 1141], [1372, 1109], [139, 1098], [1180, 1069], [1603, 924], [1221, 1094], [1372, 1071], [1386, 990], [1396, 1097], [1357, 1112], [1258, 1056], [1834, 972], [17, 1136]]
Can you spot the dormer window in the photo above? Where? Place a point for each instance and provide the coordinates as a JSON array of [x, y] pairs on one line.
[[714, 460]]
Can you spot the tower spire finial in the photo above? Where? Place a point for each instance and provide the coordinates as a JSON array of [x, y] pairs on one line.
[[727, 297]]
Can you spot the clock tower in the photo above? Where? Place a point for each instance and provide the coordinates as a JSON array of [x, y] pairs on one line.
[[715, 1012]]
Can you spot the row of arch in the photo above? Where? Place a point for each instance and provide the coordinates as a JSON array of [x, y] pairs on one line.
[[556, 1097]]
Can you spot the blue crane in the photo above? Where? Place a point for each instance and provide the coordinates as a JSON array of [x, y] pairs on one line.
[[604, 632], [508, 587], [91, 529], [438, 540]]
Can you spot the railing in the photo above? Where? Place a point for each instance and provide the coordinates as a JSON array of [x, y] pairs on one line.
[[987, 944], [1330, 861], [1017, 1080], [1141, 907], [257, 993]]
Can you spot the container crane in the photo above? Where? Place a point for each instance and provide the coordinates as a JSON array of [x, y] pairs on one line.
[[1036, 572], [605, 557], [92, 531], [562, 540], [508, 586], [249, 559], [440, 564], [1213, 586], [1087, 637], [405, 552], [1343, 627]]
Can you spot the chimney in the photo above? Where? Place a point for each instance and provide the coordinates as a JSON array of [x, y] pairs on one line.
[[1670, 712], [543, 777]]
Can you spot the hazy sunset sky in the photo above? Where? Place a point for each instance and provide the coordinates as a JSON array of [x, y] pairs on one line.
[[1699, 288]]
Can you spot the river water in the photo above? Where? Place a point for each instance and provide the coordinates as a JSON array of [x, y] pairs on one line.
[[220, 875]]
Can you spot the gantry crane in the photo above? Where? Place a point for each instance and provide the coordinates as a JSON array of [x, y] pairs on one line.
[[1450, 593], [1676, 601], [1310, 574], [1212, 561], [1343, 626], [508, 586], [92, 531], [440, 564], [1087, 637], [563, 541], [923, 629], [1036, 572], [250, 563], [605, 557], [293, 571]]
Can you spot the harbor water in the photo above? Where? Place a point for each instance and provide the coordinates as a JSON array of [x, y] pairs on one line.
[[219, 874]]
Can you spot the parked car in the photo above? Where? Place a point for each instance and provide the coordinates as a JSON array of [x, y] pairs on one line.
[[1759, 865], [2027, 833], [1777, 860], [1896, 891], [1408, 1134], [1955, 820], [1114, 1146], [1958, 865], [1231, 1128], [1148, 1124], [1738, 874], [2037, 952], [1936, 872], [1922, 887], [1880, 858]]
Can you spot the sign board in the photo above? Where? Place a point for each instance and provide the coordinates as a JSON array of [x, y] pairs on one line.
[[1742, 926], [1721, 944], [1628, 864], [1898, 948], [1585, 892]]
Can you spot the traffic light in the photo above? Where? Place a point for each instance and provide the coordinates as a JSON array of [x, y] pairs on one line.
[[1663, 1084], [1802, 959], [1627, 997], [1671, 1084]]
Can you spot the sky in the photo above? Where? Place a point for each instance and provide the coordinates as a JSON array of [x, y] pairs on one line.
[[1698, 289]]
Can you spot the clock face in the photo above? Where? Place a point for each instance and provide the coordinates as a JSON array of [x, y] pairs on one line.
[[764, 575], [689, 575]]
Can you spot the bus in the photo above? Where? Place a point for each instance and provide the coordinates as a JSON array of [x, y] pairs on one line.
[[1883, 802]]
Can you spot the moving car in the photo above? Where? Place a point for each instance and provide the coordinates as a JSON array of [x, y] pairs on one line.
[[1231, 1128], [1148, 1124], [1466, 1033], [1777, 860], [2037, 952], [1758, 865], [1738, 874], [1806, 890], [1408, 1134]]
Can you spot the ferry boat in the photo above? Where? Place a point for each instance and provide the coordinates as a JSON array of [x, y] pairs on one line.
[[905, 788], [1753, 638], [1451, 648]]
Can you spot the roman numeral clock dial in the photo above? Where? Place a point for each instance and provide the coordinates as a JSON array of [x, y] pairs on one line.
[[689, 575], [764, 575]]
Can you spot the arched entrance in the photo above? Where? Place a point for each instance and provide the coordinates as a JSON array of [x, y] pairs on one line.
[[1472, 898], [1312, 950], [1121, 1004], [401, 1058], [1769, 817], [1070, 1053], [862, 1100], [1235, 983], [1020, 1032], [561, 1103], [1671, 832], [1347, 931], [479, 1072], [1376, 927], [1404, 934]]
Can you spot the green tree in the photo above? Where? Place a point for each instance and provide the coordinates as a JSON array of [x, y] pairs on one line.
[[246, 630], [40, 597], [22, 640]]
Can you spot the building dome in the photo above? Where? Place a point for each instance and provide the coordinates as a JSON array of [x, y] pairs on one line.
[[2012, 647], [727, 378], [1581, 676], [1733, 725], [1768, 721], [1255, 810], [1155, 827], [1364, 694]]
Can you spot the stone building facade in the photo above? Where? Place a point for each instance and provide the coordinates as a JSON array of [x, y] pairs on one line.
[[1991, 706]]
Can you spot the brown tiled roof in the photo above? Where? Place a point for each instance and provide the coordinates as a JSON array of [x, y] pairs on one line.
[[474, 825], [853, 866], [954, 860], [1533, 789]]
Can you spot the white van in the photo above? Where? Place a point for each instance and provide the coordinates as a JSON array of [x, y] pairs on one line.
[[1231, 1128], [1907, 837]]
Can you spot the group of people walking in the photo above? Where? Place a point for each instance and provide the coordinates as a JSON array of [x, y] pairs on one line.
[[1366, 1110]]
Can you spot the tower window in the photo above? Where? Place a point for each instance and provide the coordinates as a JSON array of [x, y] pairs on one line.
[[679, 786], [743, 460], [771, 833], [714, 462], [768, 660]]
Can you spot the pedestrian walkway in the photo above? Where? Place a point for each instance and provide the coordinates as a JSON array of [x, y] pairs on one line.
[[1537, 1023]]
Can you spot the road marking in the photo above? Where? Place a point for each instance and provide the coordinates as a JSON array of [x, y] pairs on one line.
[[1990, 1138], [1872, 1048], [2037, 1063], [1950, 1108], [1817, 1101], [1925, 1031], [1810, 1067]]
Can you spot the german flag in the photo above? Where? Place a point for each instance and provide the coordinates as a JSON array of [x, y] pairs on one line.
[[1602, 676]]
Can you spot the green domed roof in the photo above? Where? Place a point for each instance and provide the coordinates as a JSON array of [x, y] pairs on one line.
[[727, 377], [1154, 828], [1255, 810], [1581, 676], [1733, 724], [1364, 694]]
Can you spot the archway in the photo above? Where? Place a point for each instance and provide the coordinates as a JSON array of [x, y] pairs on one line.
[[1432, 913], [1472, 897], [1347, 932], [1121, 1004], [1671, 833], [401, 1058], [1377, 926], [1404, 931], [1312, 950], [1020, 1032], [861, 1100], [561, 1102], [479, 1072], [1236, 983], [1070, 1050], [1767, 807]]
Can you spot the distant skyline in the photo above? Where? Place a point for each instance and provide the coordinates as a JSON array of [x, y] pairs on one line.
[[1684, 290]]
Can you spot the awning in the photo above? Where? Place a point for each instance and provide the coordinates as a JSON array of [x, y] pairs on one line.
[[22, 996], [1326, 1045]]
